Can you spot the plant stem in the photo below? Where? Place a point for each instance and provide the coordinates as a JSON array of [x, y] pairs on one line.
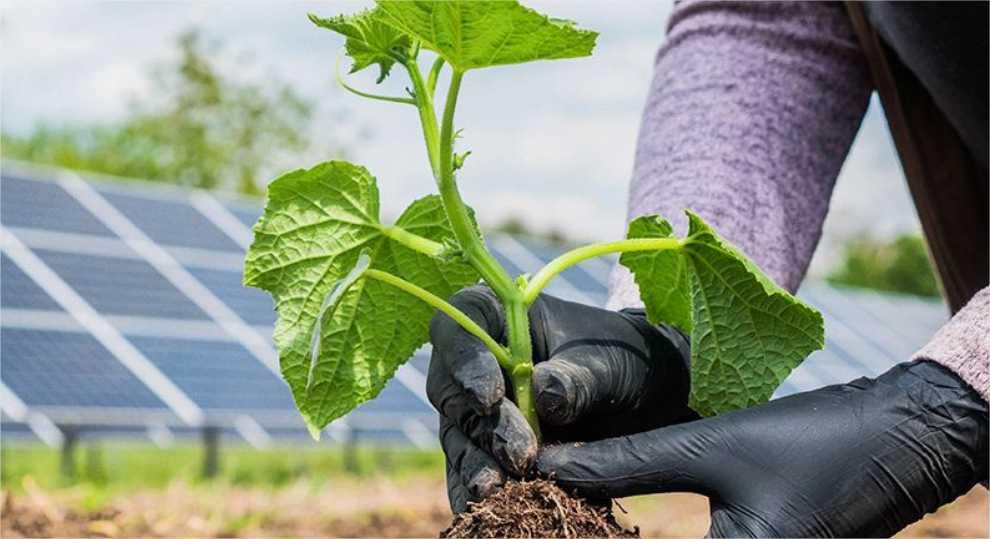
[[522, 383], [499, 351], [460, 221], [427, 115], [413, 241], [521, 348], [355, 91], [575, 256], [519, 360], [431, 81]]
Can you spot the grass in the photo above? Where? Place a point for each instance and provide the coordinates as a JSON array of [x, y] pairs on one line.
[[104, 469]]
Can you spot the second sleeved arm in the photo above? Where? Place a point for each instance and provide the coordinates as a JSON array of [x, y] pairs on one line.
[[751, 113]]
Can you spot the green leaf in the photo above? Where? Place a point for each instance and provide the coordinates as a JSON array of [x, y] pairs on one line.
[[316, 225], [747, 333], [662, 276], [369, 40], [470, 34]]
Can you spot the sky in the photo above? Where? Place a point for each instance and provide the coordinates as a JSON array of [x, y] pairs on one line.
[[552, 142]]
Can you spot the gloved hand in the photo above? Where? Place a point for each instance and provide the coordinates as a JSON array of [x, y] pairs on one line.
[[863, 459], [598, 374]]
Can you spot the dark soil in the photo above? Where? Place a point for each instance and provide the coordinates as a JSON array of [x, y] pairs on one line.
[[536, 508]]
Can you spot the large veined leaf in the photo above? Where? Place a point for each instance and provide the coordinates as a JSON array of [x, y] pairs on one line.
[[747, 333], [317, 225], [662, 275], [471, 34], [369, 40]]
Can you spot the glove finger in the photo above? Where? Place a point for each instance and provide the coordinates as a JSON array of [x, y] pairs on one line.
[[457, 493], [477, 470], [470, 368], [586, 380], [670, 459], [729, 523], [503, 433]]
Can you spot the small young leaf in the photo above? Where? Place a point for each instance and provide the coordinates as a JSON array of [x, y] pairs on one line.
[[747, 333], [369, 40], [316, 225], [471, 34], [459, 159]]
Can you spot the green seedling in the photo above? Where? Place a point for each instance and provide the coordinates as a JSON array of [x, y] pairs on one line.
[[355, 296]]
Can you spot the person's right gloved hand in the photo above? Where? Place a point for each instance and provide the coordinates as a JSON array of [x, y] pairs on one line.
[[861, 459], [597, 374]]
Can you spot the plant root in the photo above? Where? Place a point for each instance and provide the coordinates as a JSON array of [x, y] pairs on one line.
[[537, 508]]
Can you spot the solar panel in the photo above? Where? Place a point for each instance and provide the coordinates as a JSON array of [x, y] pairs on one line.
[[170, 222], [578, 275], [246, 215], [395, 399], [41, 204], [253, 305], [51, 368], [121, 286], [18, 291], [505, 261], [216, 375], [421, 361]]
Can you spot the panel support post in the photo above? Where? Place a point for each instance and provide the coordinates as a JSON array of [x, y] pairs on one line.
[[67, 462], [211, 451], [350, 449]]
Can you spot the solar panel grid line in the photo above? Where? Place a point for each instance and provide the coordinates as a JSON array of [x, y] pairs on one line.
[[221, 217], [114, 416], [419, 435], [140, 326], [69, 242], [39, 423], [39, 319], [236, 230], [88, 244], [252, 432], [160, 435], [169, 268], [104, 332]]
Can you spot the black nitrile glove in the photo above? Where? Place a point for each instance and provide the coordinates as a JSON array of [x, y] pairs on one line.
[[863, 459], [598, 374]]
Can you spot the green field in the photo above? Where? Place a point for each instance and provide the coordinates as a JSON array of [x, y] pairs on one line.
[[104, 469]]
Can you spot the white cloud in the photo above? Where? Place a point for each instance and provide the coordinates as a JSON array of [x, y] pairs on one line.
[[553, 142]]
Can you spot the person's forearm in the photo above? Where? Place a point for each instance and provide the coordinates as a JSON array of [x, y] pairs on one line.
[[751, 113], [963, 344]]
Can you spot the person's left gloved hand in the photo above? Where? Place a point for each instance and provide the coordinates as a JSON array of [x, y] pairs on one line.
[[862, 459], [597, 374]]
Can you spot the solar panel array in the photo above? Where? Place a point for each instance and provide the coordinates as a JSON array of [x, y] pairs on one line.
[[123, 313]]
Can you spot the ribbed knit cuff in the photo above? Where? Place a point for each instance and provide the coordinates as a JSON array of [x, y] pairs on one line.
[[963, 344]]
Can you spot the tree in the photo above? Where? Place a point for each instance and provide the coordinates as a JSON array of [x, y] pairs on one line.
[[901, 265], [202, 128]]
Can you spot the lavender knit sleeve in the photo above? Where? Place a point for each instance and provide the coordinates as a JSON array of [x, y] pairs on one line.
[[751, 113]]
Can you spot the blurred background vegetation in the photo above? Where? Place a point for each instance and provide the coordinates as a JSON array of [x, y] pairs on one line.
[[900, 265], [201, 127]]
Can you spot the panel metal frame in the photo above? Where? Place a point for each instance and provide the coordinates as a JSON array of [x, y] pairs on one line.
[[101, 329]]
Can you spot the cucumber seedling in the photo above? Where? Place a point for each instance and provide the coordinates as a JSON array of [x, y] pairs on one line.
[[355, 296]]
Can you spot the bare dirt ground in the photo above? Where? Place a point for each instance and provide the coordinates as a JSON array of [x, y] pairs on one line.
[[353, 508]]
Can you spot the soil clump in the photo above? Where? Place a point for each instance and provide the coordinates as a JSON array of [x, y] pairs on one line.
[[536, 508]]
